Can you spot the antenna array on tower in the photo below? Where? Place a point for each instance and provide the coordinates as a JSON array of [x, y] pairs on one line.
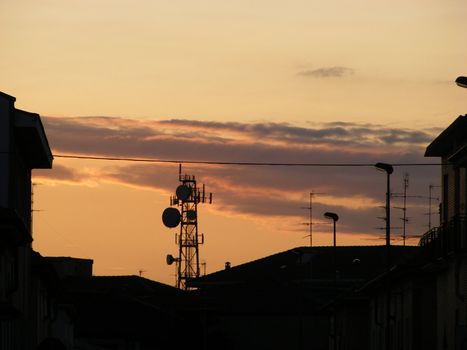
[[187, 197]]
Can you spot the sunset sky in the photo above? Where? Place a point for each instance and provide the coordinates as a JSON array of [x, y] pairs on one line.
[[232, 81]]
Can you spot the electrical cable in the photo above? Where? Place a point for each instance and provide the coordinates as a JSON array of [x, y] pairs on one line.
[[207, 162], [211, 162]]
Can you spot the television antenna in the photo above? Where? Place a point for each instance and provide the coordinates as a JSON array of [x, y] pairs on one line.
[[430, 198], [33, 186], [404, 218], [187, 197], [310, 222]]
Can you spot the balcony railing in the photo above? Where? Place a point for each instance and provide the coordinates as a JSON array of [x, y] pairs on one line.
[[450, 237]]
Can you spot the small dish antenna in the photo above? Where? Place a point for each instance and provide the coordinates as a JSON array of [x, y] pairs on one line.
[[183, 192], [170, 259], [191, 215], [171, 217]]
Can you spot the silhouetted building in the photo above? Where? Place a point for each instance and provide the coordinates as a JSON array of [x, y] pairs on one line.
[[23, 300], [282, 301], [68, 266], [446, 246], [412, 322], [129, 312], [428, 291], [52, 319], [55, 302]]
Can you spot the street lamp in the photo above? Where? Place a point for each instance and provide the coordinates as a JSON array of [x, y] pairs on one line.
[[388, 169], [334, 217], [462, 81]]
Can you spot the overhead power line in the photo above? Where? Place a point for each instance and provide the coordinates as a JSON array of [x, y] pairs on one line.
[[208, 162]]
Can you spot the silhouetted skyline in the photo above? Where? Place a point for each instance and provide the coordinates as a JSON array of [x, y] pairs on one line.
[[297, 82]]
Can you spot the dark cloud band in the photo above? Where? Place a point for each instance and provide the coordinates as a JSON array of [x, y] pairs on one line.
[[253, 191]]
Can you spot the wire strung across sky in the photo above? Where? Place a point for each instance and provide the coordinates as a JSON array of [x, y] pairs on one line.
[[209, 162]]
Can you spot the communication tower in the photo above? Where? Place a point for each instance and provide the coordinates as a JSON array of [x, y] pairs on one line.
[[183, 211]]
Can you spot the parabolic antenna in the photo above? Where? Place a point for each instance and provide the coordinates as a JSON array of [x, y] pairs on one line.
[[183, 192], [171, 217], [170, 259], [191, 215]]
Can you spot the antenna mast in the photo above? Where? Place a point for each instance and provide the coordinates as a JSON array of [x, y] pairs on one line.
[[310, 222], [33, 186], [430, 197], [404, 208], [404, 217], [187, 198]]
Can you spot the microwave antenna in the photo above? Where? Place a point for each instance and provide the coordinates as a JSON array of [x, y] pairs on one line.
[[183, 212]]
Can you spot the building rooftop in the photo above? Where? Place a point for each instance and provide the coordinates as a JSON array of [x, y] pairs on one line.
[[308, 263], [450, 140], [126, 307], [29, 134], [32, 140]]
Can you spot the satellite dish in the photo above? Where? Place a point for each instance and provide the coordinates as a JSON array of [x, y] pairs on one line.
[[183, 192], [191, 215], [170, 259], [171, 217]]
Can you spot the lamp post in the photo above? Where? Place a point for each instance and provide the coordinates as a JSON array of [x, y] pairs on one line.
[[462, 81], [389, 170], [334, 217]]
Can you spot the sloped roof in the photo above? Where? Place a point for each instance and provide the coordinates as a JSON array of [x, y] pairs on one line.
[[69, 266], [451, 139], [32, 139], [308, 263], [123, 307], [29, 132], [415, 265], [8, 97], [135, 287], [297, 281]]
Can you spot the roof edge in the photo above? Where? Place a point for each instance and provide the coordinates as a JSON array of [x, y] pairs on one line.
[[9, 97], [440, 145]]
